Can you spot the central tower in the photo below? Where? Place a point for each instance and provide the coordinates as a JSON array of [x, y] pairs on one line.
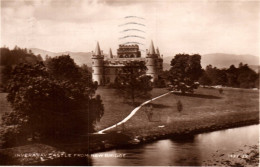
[[128, 51], [98, 65]]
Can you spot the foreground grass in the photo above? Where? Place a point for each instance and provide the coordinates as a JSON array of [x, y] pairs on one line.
[[205, 108], [117, 108]]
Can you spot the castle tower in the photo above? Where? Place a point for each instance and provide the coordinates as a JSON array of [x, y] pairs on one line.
[[110, 54], [97, 65], [151, 62], [157, 51], [159, 61]]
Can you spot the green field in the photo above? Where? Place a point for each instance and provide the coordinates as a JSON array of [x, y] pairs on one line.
[[117, 108], [203, 109]]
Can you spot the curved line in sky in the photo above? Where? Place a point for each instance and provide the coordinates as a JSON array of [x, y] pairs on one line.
[[132, 43], [133, 29], [132, 23], [129, 36], [127, 17]]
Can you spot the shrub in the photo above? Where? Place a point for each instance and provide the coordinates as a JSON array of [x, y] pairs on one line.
[[179, 106], [48, 107]]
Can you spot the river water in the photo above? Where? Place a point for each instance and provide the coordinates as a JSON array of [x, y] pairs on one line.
[[188, 151]]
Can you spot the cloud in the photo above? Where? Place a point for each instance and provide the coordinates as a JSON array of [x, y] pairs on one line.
[[175, 26]]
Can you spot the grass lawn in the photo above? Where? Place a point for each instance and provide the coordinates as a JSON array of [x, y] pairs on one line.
[[117, 108], [203, 109]]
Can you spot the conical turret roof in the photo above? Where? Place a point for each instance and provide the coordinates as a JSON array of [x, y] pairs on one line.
[[151, 50], [157, 51], [110, 53], [98, 51]]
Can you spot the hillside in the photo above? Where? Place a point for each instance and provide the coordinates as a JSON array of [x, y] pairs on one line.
[[79, 57], [220, 60]]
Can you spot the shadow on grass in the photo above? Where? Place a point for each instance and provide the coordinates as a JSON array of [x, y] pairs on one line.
[[135, 104], [159, 105], [197, 95]]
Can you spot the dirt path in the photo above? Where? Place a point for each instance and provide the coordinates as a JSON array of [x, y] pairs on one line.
[[132, 113]]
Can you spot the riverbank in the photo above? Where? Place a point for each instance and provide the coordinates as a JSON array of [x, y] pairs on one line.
[[106, 145], [80, 153], [248, 155]]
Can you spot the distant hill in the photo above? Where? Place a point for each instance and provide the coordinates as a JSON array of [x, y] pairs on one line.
[[79, 57], [220, 60]]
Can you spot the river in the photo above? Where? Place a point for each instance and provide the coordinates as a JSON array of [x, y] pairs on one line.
[[188, 151]]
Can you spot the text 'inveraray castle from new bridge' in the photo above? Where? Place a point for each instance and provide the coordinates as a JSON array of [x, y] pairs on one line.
[[105, 69]]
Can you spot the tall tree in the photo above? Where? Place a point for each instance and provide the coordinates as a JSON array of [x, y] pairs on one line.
[[185, 72], [246, 76], [132, 82], [63, 68], [204, 79], [47, 106], [217, 76]]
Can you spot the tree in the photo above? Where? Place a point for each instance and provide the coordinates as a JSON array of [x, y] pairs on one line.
[[204, 79], [63, 68], [243, 76], [232, 75], [6, 72], [179, 106], [48, 106], [185, 72], [220, 90], [132, 82], [16, 56], [149, 112], [159, 83], [217, 76], [10, 58]]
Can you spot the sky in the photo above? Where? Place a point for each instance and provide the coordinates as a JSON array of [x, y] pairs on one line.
[[175, 26]]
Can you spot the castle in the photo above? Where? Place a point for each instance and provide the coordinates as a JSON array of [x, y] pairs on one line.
[[105, 69]]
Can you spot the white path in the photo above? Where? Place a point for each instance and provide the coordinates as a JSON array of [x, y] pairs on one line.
[[132, 113]]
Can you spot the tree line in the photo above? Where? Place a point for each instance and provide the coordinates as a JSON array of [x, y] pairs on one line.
[[17, 55], [240, 77]]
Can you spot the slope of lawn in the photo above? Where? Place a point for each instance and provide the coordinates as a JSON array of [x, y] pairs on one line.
[[117, 108], [205, 108]]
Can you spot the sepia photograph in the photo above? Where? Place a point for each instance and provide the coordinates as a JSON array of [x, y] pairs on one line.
[[129, 82]]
